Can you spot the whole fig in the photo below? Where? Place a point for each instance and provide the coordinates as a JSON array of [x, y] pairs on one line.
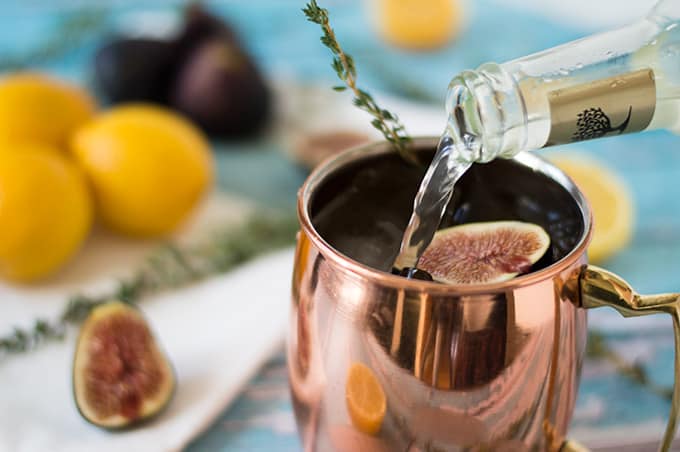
[[220, 88], [200, 25], [134, 69]]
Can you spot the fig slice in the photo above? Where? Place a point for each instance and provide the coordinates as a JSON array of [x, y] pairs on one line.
[[120, 375], [482, 253]]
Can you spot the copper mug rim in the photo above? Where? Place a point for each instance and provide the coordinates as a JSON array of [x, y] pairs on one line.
[[530, 160]]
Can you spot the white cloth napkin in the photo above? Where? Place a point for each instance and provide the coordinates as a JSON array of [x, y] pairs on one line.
[[216, 333]]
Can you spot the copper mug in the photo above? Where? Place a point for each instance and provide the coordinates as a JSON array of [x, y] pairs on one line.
[[463, 368]]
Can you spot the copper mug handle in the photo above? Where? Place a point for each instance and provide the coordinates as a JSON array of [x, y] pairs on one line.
[[597, 288]]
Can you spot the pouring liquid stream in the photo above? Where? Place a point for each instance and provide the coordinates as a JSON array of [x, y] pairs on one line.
[[449, 164]]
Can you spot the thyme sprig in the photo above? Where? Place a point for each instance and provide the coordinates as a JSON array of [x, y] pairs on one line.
[[168, 267], [343, 64]]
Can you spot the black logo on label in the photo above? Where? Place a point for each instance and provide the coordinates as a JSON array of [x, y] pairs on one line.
[[594, 123]]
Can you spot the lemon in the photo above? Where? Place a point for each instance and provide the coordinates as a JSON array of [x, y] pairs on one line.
[[45, 211], [419, 24], [610, 202], [148, 167], [38, 109], [365, 398]]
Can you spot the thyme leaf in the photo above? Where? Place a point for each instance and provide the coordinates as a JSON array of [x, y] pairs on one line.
[[343, 64]]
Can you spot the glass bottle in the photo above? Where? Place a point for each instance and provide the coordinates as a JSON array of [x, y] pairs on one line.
[[622, 81]]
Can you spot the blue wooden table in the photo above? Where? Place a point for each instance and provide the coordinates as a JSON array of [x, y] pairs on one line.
[[284, 44]]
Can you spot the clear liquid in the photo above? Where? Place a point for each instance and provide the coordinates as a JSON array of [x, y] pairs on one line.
[[449, 164]]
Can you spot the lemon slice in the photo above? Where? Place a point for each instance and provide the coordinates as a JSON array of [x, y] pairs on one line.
[[609, 199], [366, 401]]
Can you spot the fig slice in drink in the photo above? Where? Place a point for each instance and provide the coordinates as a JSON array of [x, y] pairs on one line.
[[489, 252]]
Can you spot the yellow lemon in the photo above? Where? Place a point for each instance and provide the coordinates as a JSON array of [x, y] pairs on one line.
[[418, 24], [365, 398], [609, 199], [38, 109], [148, 167], [45, 211]]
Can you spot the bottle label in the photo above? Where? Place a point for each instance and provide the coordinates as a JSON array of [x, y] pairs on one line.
[[608, 107]]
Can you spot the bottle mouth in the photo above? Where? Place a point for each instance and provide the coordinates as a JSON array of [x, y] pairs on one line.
[[486, 113], [464, 125]]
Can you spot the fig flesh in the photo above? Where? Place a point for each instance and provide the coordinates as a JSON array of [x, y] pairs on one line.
[[482, 253], [120, 375]]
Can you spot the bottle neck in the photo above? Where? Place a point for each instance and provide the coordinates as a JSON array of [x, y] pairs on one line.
[[622, 81], [487, 115]]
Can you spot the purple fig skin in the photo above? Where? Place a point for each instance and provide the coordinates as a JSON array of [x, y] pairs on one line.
[[221, 89], [134, 69], [199, 26]]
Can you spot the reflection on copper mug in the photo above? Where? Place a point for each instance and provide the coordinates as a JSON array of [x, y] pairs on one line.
[[463, 368]]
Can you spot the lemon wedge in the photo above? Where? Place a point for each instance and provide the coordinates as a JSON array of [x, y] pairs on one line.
[[610, 201]]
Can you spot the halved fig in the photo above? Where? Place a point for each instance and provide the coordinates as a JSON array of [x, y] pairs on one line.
[[479, 253], [120, 375]]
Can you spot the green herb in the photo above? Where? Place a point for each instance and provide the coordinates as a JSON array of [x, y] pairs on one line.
[[598, 349], [70, 32], [343, 64], [169, 267]]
